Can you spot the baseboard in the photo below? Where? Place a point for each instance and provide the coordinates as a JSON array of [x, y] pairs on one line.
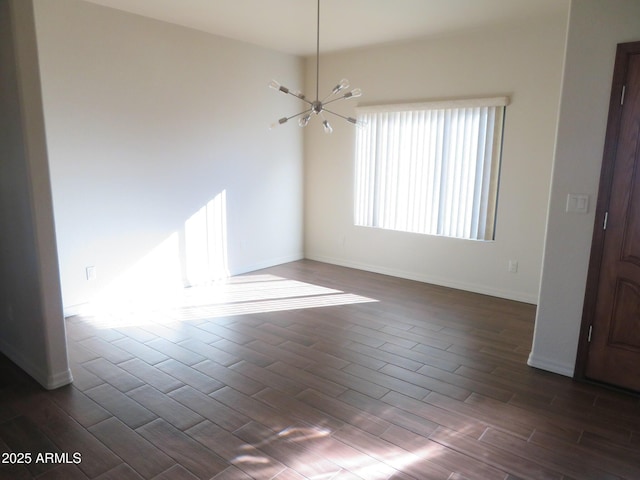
[[58, 380], [49, 380], [272, 262], [550, 366], [469, 287], [73, 310]]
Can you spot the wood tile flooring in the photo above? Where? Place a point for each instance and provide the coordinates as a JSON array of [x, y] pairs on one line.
[[314, 371]]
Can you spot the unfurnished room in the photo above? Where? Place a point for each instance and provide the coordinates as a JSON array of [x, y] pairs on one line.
[[319, 239]]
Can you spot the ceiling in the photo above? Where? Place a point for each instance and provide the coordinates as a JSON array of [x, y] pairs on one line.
[[290, 25]]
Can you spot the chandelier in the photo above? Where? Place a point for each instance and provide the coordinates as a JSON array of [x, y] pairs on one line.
[[318, 107]]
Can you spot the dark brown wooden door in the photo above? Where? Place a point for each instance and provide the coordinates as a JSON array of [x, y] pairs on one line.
[[614, 347]]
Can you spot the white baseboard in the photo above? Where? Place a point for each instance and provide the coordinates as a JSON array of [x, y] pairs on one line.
[[73, 310], [550, 366], [49, 380], [271, 262], [58, 380], [469, 287]]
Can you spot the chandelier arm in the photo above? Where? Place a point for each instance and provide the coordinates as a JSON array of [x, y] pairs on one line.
[[334, 100], [303, 98], [298, 114], [331, 94], [348, 119]]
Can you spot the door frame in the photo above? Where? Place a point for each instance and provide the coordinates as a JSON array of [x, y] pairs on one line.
[[623, 51]]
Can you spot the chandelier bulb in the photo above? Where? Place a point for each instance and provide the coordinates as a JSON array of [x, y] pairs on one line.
[[344, 83], [276, 86], [304, 121], [356, 92], [327, 127]]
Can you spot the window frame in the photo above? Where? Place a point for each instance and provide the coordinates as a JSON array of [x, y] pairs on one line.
[[381, 155]]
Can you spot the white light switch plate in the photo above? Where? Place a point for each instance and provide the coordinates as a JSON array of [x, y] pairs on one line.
[[577, 203]]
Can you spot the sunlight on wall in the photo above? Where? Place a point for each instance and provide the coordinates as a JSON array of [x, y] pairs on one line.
[[205, 243], [154, 279], [153, 290], [195, 255]]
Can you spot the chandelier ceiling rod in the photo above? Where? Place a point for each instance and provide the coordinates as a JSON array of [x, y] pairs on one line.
[[317, 107], [318, 53]]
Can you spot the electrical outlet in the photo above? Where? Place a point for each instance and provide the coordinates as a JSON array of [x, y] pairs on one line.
[[513, 266], [91, 273]]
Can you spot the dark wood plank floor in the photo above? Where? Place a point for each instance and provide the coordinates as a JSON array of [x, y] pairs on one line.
[[314, 371]]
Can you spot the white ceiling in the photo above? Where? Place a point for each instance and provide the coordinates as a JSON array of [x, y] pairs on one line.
[[290, 25]]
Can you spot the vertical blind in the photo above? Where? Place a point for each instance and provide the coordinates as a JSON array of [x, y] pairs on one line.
[[430, 168]]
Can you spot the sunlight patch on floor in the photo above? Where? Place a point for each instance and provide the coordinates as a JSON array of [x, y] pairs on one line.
[[243, 295], [381, 460]]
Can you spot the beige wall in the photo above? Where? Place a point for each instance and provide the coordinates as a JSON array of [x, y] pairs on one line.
[[147, 124], [523, 61], [32, 331], [596, 27]]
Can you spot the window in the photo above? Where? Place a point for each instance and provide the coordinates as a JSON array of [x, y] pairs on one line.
[[430, 168]]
